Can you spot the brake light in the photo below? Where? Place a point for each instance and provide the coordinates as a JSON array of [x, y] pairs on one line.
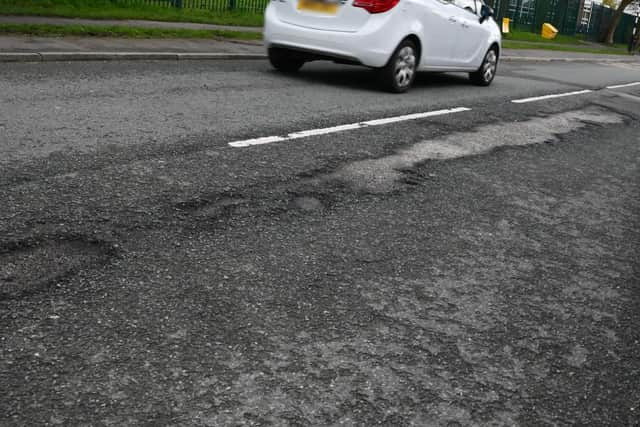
[[375, 6]]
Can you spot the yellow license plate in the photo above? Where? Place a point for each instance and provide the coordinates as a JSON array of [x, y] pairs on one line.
[[318, 6]]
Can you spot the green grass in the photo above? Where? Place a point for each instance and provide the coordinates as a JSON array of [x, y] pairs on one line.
[[525, 36], [510, 44], [105, 9], [45, 30], [526, 40]]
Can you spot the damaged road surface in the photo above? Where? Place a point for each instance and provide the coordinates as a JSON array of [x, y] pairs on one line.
[[476, 268]]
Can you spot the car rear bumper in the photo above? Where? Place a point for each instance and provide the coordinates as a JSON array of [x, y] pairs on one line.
[[370, 45]]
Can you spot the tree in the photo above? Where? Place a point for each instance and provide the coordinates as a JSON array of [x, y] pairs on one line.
[[610, 3], [615, 20]]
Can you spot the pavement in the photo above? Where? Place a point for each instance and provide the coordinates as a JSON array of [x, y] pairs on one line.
[[51, 20], [29, 48], [476, 265], [26, 48]]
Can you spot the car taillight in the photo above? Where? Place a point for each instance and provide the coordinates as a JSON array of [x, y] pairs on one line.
[[375, 6]]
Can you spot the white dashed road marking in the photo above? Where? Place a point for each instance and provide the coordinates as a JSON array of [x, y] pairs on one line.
[[396, 119], [342, 128], [415, 116], [624, 85], [555, 95]]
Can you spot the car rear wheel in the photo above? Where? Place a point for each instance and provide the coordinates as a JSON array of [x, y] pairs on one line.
[[285, 60], [398, 75], [487, 71]]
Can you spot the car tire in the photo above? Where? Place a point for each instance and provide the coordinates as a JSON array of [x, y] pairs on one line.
[[284, 60], [398, 75], [487, 71]]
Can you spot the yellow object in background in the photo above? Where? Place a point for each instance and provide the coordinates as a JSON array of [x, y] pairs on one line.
[[549, 31], [505, 25]]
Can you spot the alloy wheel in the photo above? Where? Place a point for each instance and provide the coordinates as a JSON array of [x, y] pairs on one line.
[[489, 66], [405, 66]]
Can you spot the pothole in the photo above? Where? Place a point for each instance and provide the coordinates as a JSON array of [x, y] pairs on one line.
[[386, 174], [308, 204], [212, 206], [29, 267]]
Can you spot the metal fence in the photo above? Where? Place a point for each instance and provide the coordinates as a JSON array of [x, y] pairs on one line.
[[254, 6], [599, 23], [527, 15], [565, 15]]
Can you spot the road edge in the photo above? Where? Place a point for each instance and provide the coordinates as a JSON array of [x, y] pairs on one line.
[[121, 56], [132, 56]]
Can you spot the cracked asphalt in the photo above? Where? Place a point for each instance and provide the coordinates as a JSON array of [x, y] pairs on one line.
[[478, 268]]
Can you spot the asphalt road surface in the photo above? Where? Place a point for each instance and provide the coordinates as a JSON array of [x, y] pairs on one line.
[[474, 265]]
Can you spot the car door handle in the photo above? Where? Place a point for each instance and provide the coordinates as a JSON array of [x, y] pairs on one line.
[[452, 19], [465, 25]]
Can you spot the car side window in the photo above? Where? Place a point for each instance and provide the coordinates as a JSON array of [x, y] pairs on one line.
[[468, 5]]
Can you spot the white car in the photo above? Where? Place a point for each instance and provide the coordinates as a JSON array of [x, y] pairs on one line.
[[398, 37]]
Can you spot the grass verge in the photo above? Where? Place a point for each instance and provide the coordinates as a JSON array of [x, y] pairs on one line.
[[525, 36], [510, 44], [105, 9], [576, 43], [45, 30]]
